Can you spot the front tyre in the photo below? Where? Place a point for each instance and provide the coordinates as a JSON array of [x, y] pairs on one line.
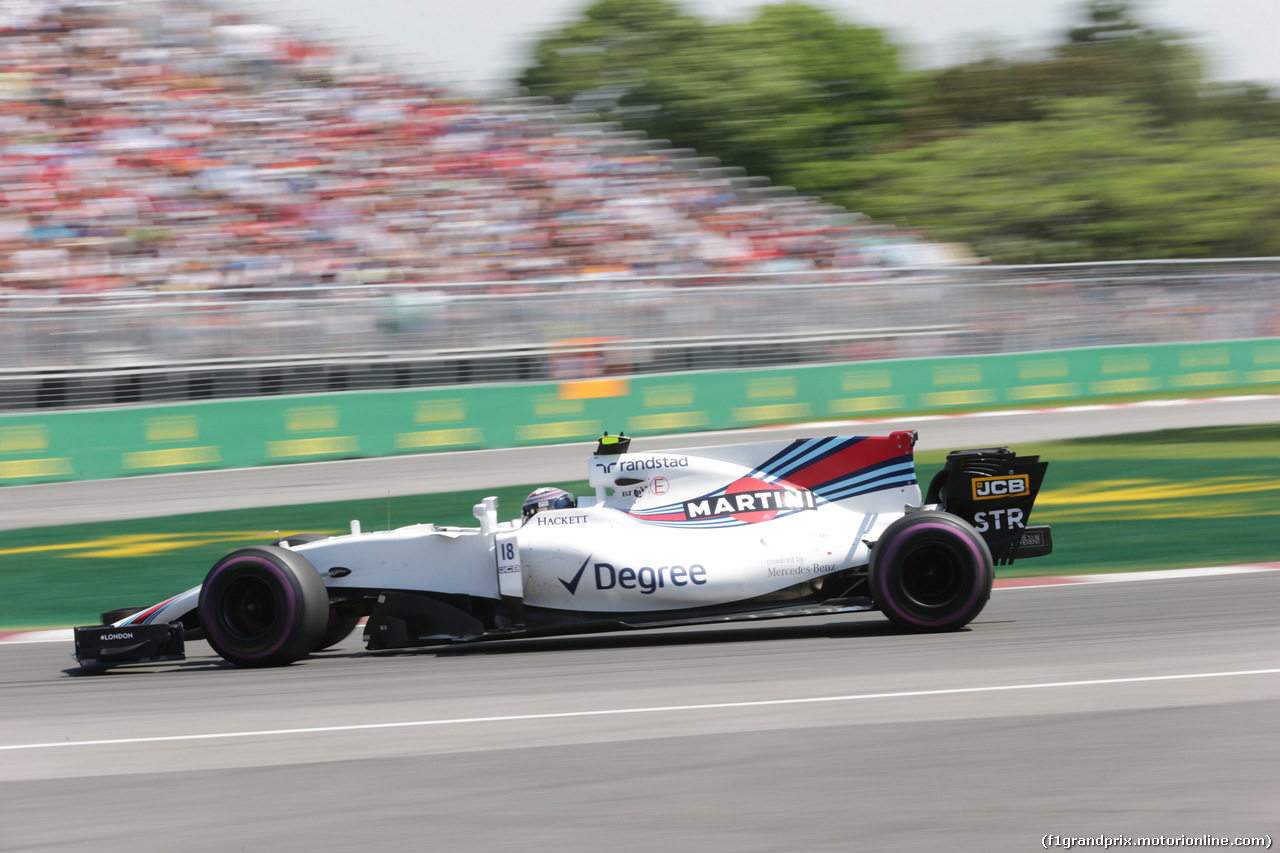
[[931, 571], [263, 606], [338, 629]]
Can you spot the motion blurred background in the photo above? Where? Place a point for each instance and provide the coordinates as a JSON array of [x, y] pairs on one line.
[[214, 202], [238, 236]]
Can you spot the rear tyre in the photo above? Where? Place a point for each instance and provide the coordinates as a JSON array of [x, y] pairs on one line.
[[263, 606], [931, 571]]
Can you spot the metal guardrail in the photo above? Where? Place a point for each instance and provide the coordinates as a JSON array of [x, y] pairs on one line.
[[69, 351]]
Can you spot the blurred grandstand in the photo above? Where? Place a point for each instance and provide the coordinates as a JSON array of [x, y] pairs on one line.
[[198, 204], [175, 146]]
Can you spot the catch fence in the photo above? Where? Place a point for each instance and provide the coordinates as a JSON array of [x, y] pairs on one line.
[[69, 351]]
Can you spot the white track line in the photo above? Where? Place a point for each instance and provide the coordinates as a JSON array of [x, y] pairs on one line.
[[660, 709]]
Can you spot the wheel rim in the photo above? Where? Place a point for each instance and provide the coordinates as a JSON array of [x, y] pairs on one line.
[[932, 575], [251, 607]]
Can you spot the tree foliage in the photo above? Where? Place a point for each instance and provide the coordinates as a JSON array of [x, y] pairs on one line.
[[1110, 145], [788, 86], [1097, 179], [608, 53], [1107, 55]]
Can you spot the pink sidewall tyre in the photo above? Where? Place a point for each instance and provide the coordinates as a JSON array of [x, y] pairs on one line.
[[264, 606], [931, 571]]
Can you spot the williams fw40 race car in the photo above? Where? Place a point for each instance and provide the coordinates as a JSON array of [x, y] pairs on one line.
[[747, 531]]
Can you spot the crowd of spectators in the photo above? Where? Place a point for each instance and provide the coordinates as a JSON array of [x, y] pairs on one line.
[[171, 145]]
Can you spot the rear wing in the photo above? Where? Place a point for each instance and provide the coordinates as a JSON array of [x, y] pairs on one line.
[[994, 490]]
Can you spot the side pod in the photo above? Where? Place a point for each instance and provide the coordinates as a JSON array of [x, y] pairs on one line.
[[406, 619]]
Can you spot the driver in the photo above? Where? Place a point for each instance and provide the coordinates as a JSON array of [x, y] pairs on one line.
[[547, 497]]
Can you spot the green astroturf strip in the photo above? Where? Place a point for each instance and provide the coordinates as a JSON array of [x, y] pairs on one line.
[[1169, 499]]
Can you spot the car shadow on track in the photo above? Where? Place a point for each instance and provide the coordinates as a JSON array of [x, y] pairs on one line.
[[659, 638], [869, 631], [189, 665]]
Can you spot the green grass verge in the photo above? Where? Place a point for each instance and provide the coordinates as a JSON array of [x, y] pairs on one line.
[[1168, 499]]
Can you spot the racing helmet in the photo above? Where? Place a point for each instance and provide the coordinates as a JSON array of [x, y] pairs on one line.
[[547, 497]]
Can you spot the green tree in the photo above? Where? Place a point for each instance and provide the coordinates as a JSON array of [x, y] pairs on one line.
[[1111, 145], [1109, 54], [600, 59], [1096, 179], [1252, 109], [773, 94], [1113, 54], [853, 84]]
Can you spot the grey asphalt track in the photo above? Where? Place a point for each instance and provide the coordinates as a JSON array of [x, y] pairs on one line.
[[176, 494], [1060, 711], [1129, 709]]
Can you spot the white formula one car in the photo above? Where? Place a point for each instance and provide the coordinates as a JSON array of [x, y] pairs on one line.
[[746, 531]]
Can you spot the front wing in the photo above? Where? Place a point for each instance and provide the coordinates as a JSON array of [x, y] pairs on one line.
[[101, 646]]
